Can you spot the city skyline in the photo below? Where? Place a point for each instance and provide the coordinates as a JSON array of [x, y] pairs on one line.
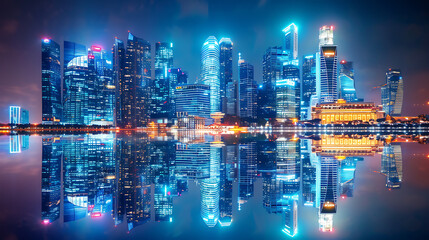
[[370, 62]]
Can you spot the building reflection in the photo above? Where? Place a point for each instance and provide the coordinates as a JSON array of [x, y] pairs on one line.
[[134, 178]]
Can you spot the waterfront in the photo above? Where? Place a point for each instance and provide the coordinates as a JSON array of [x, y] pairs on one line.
[[193, 186]]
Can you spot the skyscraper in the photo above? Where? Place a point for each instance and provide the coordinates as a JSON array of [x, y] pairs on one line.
[[273, 61], [118, 51], [392, 93], [177, 77], [225, 60], [193, 99], [52, 108], [391, 165], [326, 66], [346, 82], [308, 85], [75, 89], [288, 93], [291, 41], [247, 89], [210, 189], [134, 88], [210, 71], [18, 115], [160, 99]]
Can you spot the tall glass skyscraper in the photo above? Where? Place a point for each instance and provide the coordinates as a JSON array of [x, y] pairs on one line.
[[291, 41], [288, 94], [346, 81], [135, 85], [210, 189], [392, 93], [308, 85], [247, 89], [52, 108], [18, 115], [326, 66], [160, 99], [273, 61], [210, 71], [118, 51], [177, 77], [76, 85], [225, 60], [391, 165]]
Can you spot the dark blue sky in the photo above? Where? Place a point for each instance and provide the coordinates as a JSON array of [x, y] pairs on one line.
[[375, 35]]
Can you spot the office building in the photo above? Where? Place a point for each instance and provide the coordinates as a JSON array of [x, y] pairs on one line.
[[118, 62], [346, 82], [52, 108], [177, 77], [225, 61], [18, 115], [391, 165], [160, 88], [210, 71], [291, 41], [247, 90], [308, 85], [288, 94], [193, 99], [392, 93]]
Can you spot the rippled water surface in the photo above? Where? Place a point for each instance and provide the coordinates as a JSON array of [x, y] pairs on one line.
[[194, 186]]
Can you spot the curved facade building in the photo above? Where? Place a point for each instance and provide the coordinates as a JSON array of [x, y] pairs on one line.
[[392, 93], [210, 70]]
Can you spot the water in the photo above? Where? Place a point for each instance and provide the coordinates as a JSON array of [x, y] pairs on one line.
[[195, 186]]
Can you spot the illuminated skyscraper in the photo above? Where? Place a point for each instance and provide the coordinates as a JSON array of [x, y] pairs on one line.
[[288, 93], [225, 60], [346, 82], [247, 90], [160, 99], [193, 99], [75, 95], [291, 41], [392, 93], [391, 165], [118, 51], [226, 182], [18, 115], [177, 77], [135, 85], [246, 172], [308, 85], [52, 108], [326, 66], [210, 71], [192, 161]]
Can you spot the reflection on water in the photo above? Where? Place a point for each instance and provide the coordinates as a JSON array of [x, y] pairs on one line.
[[134, 178]]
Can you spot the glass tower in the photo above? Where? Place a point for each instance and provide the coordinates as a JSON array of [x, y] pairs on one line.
[[134, 88], [247, 89], [210, 71], [118, 51], [346, 81], [392, 93], [193, 99], [291, 41], [160, 100], [308, 85], [52, 109], [326, 66], [225, 60], [288, 93]]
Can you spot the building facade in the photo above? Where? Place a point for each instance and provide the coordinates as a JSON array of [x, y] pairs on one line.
[[288, 94], [247, 90], [210, 71], [52, 109], [193, 99], [346, 81], [392, 93], [160, 97], [225, 60], [308, 85]]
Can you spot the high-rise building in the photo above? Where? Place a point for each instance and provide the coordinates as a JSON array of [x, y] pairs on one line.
[[291, 41], [210, 189], [135, 85], [75, 87], [160, 88], [177, 77], [118, 51], [308, 85], [273, 61], [326, 66], [193, 99], [326, 70], [232, 98], [346, 82], [247, 89], [288, 94], [392, 93], [52, 108], [18, 115], [210, 71], [225, 60], [246, 172]]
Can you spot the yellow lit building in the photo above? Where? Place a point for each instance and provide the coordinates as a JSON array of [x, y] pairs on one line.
[[343, 112], [342, 146]]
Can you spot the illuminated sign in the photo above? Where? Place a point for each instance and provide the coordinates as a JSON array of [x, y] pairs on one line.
[[328, 207], [96, 48], [46, 40], [179, 87], [286, 82], [329, 53]]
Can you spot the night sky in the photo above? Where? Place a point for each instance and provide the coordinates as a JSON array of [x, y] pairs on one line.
[[375, 35]]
